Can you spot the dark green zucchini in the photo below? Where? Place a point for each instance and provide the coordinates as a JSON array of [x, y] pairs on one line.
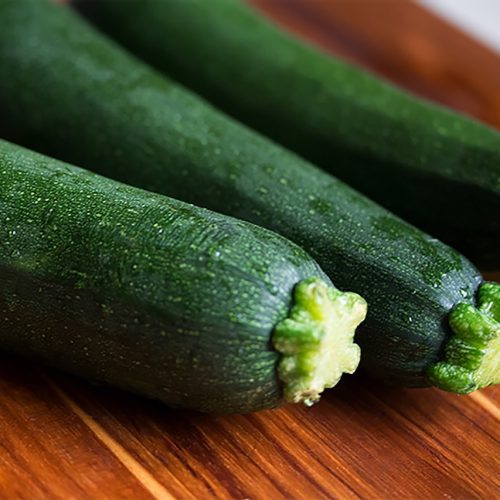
[[160, 297], [435, 168], [68, 90]]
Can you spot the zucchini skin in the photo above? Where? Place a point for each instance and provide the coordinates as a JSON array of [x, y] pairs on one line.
[[139, 291], [69, 91], [435, 168]]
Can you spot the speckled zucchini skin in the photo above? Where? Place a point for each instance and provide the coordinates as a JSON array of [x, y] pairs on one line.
[[143, 292], [433, 167], [69, 91]]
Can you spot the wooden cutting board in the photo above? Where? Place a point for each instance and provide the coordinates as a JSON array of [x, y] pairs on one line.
[[61, 438]]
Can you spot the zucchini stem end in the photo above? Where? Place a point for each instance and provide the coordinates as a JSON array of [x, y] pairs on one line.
[[316, 340], [471, 358]]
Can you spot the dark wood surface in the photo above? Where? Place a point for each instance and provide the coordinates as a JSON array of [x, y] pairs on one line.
[[61, 438]]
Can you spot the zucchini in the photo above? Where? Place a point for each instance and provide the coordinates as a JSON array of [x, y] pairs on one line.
[[163, 298], [396, 148], [69, 91]]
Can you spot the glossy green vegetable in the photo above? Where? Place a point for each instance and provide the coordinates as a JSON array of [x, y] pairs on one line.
[[70, 91], [434, 167], [160, 297], [472, 354]]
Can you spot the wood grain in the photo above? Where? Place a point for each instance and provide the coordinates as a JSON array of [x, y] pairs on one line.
[[46, 450], [61, 438], [363, 440]]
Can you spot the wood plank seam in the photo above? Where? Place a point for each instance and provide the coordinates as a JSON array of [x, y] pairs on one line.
[[156, 489], [486, 403]]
